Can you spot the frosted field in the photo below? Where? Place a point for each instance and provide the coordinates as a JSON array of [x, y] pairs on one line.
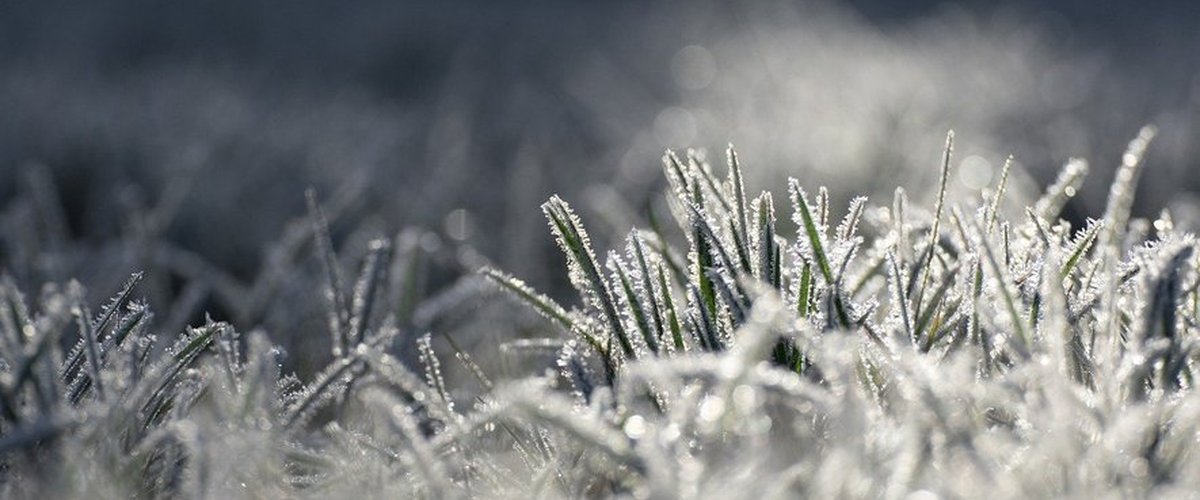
[[424, 251]]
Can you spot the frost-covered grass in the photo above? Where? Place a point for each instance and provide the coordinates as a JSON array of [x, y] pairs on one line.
[[963, 347]]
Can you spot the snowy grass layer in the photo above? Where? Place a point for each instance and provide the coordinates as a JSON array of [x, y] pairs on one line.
[[963, 349]]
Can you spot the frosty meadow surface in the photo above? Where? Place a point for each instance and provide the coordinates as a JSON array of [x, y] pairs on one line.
[[963, 346]]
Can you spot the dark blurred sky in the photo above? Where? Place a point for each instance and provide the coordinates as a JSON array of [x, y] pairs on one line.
[[1131, 31], [372, 40]]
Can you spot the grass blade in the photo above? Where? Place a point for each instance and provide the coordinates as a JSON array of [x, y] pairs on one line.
[[768, 269], [1120, 195], [373, 275], [632, 301], [584, 271], [815, 247], [739, 223], [935, 230], [1050, 205], [994, 208], [1082, 243], [337, 311]]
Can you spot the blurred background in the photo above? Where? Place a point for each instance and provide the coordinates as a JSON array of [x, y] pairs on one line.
[[197, 126]]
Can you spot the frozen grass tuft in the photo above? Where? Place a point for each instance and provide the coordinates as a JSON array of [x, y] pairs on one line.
[[965, 348]]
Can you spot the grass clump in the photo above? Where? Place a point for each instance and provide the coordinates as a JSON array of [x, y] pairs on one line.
[[992, 353], [974, 348]]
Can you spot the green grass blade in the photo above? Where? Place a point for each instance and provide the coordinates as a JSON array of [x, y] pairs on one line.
[[817, 249], [768, 268], [584, 271], [804, 290], [637, 247], [633, 302], [1004, 288], [739, 223], [808, 223], [948, 280], [669, 310], [1082, 243]]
